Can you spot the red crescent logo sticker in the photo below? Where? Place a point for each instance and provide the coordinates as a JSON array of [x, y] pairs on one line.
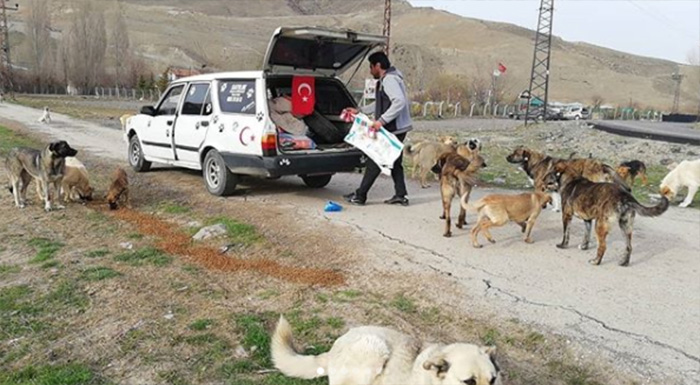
[[249, 138]]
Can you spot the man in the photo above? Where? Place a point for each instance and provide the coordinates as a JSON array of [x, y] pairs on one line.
[[391, 110]]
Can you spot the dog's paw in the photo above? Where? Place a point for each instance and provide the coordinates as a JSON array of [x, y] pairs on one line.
[[529, 240], [425, 186], [562, 246], [459, 225], [478, 246], [60, 207], [492, 240], [447, 235], [442, 216], [684, 205], [556, 209], [583, 246], [625, 262], [594, 262]]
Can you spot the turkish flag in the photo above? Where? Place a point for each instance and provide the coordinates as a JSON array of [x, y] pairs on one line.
[[303, 95], [501, 68]]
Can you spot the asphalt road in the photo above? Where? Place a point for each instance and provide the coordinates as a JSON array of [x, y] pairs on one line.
[[643, 318]]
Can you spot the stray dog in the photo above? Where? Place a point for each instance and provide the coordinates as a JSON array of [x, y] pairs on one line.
[[46, 116], [46, 167], [537, 165], [123, 120], [457, 175], [423, 156], [497, 210], [686, 174], [119, 190], [629, 171], [372, 355], [601, 202], [76, 184]]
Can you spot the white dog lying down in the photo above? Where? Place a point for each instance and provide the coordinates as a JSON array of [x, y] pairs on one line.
[[370, 355], [686, 174]]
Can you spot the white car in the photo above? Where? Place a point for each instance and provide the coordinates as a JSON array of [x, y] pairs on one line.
[[221, 123], [576, 113]]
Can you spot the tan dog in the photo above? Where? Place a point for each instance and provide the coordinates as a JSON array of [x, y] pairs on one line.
[[123, 120], [371, 355], [423, 156], [629, 171], [76, 184], [457, 175], [685, 174], [119, 190], [497, 209]]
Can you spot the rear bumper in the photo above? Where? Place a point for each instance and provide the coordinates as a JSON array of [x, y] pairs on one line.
[[296, 164]]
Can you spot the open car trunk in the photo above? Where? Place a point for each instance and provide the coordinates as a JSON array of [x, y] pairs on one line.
[[323, 130]]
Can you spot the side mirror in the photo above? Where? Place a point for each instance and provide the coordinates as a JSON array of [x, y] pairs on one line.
[[148, 110]]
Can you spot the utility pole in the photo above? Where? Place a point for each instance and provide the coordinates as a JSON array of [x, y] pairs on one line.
[[5, 61], [387, 25], [678, 78], [539, 76]]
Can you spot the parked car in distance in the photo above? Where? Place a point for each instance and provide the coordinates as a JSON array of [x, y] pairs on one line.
[[576, 113]]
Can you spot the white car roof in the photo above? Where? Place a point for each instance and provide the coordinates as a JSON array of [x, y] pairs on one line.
[[221, 75]]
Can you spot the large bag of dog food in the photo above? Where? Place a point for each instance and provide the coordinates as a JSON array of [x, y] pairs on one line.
[[382, 147]]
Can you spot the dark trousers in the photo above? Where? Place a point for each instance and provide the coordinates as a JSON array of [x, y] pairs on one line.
[[372, 172]]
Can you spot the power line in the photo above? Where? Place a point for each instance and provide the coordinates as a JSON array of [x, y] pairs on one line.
[[539, 76], [387, 24]]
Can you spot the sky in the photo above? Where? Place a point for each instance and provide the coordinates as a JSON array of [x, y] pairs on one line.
[[666, 29]]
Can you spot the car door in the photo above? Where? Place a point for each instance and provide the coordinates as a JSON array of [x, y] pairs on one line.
[[157, 137], [192, 123]]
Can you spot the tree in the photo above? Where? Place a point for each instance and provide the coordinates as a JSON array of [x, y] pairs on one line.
[[87, 44], [163, 81], [39, 39], [121, 44]]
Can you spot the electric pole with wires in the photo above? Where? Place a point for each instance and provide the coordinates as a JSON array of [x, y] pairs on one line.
[[387, 25], [539, 76], [678, 78], [6, 75]]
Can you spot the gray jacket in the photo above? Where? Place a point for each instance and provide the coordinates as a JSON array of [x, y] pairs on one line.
[[393, 100]]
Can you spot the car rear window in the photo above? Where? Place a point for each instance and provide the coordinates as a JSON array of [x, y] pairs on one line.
[[300, 53], [237, 96]]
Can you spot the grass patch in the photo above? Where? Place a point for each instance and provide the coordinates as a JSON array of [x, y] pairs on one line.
[[572, 374], [45, 249], [67, 295], [18, 312], [97, 253], [148, 255], [238, 232], [404, 304], [10, 139], [173, 208], [252, 327], [335, 322], [71, 106], [201, 324], [491, 337], [98, 273], [135, 236], [70, 374], [50, 264], [9, 269]]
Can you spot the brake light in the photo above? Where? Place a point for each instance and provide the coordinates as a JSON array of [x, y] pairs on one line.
[[269, 144]]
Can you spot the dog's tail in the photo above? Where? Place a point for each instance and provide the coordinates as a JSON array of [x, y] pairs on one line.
[[476, 206], [291, 363], [653, 211], [412, 149]]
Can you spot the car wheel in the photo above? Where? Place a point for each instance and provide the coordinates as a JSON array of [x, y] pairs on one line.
[[317, 181], [218, 179], [135, 155], [577, 117]]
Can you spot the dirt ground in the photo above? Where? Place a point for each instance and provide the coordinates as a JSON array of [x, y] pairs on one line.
[[76, 301]]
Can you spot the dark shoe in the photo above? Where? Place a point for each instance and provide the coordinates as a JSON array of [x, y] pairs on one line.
[[352, 198], [397, 200]]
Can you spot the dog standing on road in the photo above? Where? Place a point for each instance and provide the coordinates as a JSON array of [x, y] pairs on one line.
[[423, 156], [686, 174], [601, 202], [457, 176], [46, 167], [372, 355], [119, 190], [497, 209], [45, 116]]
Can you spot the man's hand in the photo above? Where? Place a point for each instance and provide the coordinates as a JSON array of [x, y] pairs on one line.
[[351, 110], [376, 125]]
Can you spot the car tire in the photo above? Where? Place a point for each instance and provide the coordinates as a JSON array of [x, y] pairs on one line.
[[135, 155], [218, 179], [317, 181], [577, 117]]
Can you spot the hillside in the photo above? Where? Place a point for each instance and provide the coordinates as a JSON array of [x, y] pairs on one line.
[[426, 43]]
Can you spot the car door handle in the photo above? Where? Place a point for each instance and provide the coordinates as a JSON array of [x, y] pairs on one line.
[[205, 123], [169, 122]]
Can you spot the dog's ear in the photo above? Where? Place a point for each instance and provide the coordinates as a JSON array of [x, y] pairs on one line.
[[438, 364], [54, 146]]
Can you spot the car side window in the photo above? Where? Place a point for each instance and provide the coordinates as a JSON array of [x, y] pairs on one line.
[[169, 104], [237, 96], [195, 99], [207, 108]]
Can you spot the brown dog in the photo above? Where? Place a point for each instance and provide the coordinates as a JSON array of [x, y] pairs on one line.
[[119, 190], [600, 202], [497, 209], [76, 184], [457, 175], [629, 171]]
